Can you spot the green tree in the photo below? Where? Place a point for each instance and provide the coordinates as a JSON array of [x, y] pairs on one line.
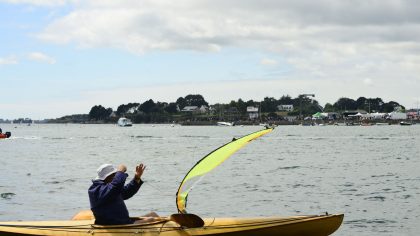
[[329, 108], [148, 106], [181, 102], [124, 108], [390, 106], [362, 104], [99, 112], [195, 100], [241, 105], [377, 104], [269, 104], [345, 104], [286, 100], [171, 108], [252, 103]]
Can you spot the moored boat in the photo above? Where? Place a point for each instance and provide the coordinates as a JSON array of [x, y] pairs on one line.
[[5, 135], [124, 122], [222, 123], [264, 226], [405, 123]]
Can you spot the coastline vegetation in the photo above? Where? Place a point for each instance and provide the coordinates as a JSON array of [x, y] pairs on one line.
[[180, 110]]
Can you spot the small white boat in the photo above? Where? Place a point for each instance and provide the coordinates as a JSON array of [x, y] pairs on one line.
[[405, 123], [222, 123], [124, 122]]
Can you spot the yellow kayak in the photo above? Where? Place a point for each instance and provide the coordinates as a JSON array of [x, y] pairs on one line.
[[264, 226]]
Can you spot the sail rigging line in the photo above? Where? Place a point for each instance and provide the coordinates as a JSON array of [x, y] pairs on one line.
[[158, 189], [209, 162]]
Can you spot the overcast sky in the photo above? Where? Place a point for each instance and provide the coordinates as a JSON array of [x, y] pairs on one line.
[[61, 57]]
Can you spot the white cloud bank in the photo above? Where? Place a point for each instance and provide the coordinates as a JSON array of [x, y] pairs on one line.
[[334, 48], [320, 39], [10, 60], [49, 3], [41, 57], [268, 62]]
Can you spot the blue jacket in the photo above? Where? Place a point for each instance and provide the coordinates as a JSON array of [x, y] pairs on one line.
[[107, 200]]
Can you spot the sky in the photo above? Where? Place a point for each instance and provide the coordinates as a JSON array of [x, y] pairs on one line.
[[61, 57]]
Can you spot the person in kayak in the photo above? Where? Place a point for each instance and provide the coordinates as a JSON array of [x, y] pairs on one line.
[[108, 192]]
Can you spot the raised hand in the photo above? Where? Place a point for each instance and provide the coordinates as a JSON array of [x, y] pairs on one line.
[[122, 168], [139, 172]]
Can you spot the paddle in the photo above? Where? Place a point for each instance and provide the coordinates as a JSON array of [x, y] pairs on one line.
[[187, 220]]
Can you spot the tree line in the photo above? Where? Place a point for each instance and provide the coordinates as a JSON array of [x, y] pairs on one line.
[[151, 111]]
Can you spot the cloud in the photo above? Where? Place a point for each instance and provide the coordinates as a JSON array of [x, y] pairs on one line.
[[368, 81], [41, 57], [10, 60], [335, 44], [49, 3], [268, 62], [141, 25], [314, 36]]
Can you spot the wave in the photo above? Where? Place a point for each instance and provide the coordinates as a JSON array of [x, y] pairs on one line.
[[24, 137], [288, 167], [364, 222], [145, 137], [376, 198], [194, 136], [59, 182], [378, 138]]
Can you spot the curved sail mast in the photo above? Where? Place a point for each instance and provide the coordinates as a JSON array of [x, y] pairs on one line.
[[208, 163]]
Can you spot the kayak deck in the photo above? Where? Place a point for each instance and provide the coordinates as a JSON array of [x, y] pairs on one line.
[[268, 226]]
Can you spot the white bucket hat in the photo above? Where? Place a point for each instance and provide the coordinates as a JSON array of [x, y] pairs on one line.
[[104, 171]]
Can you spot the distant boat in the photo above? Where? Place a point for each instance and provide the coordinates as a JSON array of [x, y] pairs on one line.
[[405, 123], [382, 123], [222, 123], [5, 135], [124, 122]]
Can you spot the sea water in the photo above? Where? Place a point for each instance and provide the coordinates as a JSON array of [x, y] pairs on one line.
[[371, 174]]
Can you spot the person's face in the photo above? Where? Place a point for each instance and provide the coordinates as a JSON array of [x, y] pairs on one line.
[[109, 178]]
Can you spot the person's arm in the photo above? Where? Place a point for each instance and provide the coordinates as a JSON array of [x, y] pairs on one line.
[[133, 187], [113, 189]]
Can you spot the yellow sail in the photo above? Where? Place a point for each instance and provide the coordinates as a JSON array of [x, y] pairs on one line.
[[209, 162]]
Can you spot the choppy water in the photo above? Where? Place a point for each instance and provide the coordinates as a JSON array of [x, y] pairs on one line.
[[369, 173]]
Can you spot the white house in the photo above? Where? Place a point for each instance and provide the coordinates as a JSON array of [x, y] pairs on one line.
[[189, 108], [285, 107], [196, 109], [252, 112], [203, 109]]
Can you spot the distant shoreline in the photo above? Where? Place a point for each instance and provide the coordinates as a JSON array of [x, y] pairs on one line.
[[340, 122]]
